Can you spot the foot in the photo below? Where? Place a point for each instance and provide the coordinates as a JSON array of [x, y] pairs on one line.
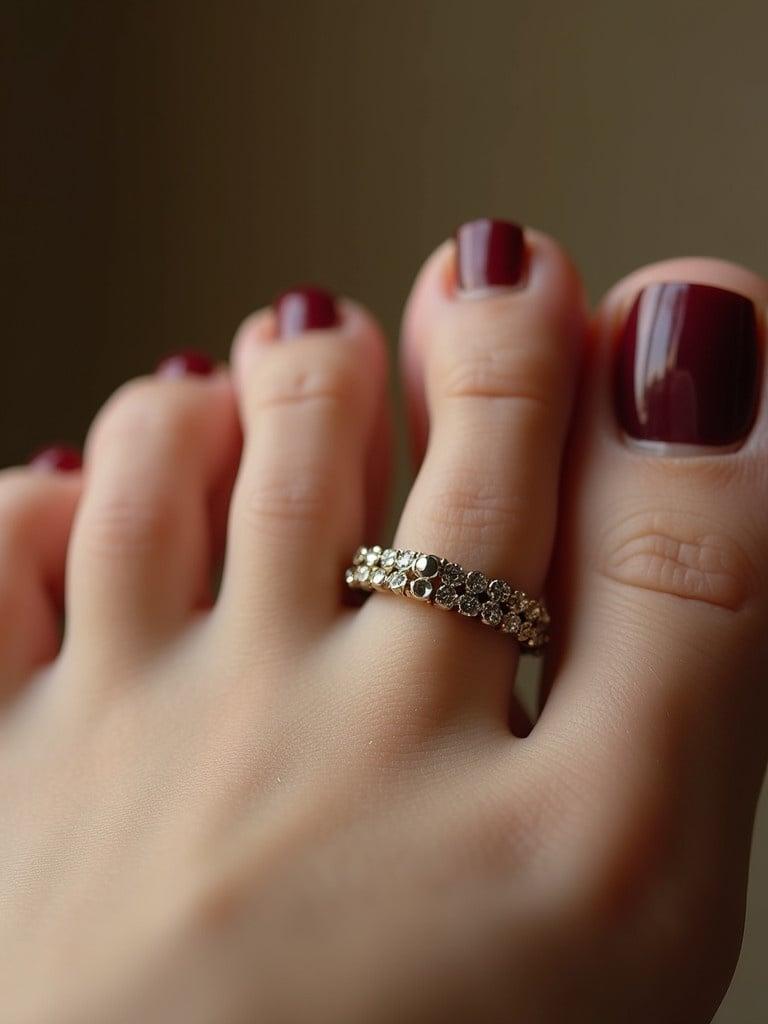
[[276, 806]]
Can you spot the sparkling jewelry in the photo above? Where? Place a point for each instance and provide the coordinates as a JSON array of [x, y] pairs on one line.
[[435, 580]]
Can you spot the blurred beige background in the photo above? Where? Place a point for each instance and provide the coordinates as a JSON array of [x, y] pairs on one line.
[[168, 166]]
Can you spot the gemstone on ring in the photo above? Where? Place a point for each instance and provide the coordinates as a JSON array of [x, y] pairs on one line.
[[452, 574], [526, 632], [405, 559], [490, 613], [372, 555], [420, 588], [427, 566], [511, 623], [388, 559], [362, 573], [446, 596], [469, 605], [397, 582], [499, 590], [379, 578], [475, 583]]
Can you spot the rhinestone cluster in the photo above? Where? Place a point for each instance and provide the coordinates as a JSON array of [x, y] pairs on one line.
[[448, 585]]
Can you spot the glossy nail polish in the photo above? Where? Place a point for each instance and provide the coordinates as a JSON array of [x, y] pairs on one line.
[[188, 363], [304, 309], [59, 458], [687, 366], [489, 254]]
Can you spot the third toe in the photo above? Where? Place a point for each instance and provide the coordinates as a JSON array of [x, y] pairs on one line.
[[311, 379]]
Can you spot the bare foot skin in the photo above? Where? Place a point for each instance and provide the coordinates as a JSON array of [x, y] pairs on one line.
[[277, 807]]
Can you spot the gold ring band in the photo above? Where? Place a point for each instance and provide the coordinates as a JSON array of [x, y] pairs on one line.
[[448, 585]]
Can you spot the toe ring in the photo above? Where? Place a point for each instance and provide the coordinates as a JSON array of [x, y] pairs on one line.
[[438, 581]]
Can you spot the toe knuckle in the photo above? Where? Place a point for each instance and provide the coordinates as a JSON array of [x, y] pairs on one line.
[[300, 404], [486, 366], [679, 553], [325, 380], [131, 523], [278, 496], [475, 511]]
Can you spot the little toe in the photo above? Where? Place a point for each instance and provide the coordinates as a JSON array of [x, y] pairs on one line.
[[37, 505]]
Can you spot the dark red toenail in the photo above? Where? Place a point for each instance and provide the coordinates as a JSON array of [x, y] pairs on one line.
[[489, 254], [687, 367], [60, 458], [188, 363], [304, 309]]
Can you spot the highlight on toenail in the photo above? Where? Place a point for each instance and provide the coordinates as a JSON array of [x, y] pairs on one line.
[[687, 365], [306, 308], [187, 363], [58, 458], [489, 254]]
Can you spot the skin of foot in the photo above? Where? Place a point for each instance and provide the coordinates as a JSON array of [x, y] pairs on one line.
[[259, 802]]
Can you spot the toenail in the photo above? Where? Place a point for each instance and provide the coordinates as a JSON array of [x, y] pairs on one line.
[[187, 363], [60, 458], [687, 366], [304, 309], [489, 254]]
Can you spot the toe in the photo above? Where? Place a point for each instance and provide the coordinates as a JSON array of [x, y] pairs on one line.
[[491, 348], [661, 573], [36, 510], [498, 367], [311, 378], [158, 454]]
